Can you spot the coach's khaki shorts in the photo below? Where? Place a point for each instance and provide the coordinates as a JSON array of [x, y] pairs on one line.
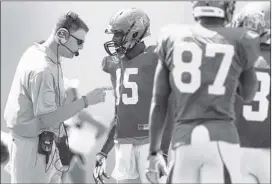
[[26, 165]]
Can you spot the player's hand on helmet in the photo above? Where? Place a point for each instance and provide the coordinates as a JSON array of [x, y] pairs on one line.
[[157, 168], [100, 168], [97, 95]]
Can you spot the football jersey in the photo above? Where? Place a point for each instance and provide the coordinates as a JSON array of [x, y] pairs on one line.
[[205, 65], [110, 65], [133, 82], [254, 119]]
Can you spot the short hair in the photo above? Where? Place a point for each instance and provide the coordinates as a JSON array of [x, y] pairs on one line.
[[72, 22]]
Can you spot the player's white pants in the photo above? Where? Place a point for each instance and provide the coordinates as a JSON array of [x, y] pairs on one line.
[[131, 162], [203, 160], [255, 165], [27, 166]]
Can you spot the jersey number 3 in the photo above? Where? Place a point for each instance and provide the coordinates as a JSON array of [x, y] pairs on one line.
[[128, 85], [193, 67], [261, 97]]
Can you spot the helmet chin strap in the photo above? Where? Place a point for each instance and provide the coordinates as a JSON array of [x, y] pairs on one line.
[[130, 44], [124, 48]]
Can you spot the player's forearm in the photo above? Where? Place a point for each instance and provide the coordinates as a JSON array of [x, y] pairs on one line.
[[248, 93], [168, 129], [62, 113], [167, 136], [157, 117], [109, 143], [248, 85]]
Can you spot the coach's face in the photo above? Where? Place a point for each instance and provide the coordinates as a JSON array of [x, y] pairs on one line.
[[74, 43]]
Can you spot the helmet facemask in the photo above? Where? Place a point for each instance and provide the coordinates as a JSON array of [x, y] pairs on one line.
[[115, 48], [118, 47]]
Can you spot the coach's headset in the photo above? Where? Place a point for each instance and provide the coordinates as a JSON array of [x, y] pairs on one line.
[[63, 33]]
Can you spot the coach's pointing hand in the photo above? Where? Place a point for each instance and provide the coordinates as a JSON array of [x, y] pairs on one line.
[[97, 95]]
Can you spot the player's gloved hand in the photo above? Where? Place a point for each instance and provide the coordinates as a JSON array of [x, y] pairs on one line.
[[100, 168], [165, 157], [157, 168]]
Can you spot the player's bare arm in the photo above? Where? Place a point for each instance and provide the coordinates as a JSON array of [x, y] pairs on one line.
[[251, 54], [248, 84], [157, 116], [168, 129], [109, 143], [158, 109]]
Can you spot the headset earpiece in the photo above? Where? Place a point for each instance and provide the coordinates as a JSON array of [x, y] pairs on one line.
[[63, 35]]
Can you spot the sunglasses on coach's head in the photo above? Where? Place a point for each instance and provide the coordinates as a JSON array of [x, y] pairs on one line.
[[79, 41]]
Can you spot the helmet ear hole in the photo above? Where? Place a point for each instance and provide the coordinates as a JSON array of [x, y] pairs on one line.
[[135, 35]]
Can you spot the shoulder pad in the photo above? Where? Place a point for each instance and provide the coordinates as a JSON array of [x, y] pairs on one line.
[[109, 62]]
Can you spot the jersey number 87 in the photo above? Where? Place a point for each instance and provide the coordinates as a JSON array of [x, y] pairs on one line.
[[193, 67]]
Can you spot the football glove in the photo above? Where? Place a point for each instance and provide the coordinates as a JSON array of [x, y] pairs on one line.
[[100, 168], [157, 168]]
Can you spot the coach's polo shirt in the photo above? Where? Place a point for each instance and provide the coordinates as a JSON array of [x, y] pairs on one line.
[[37, 89]]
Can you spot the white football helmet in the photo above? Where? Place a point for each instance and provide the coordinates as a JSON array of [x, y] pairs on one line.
[[219, 9], [255, 16]]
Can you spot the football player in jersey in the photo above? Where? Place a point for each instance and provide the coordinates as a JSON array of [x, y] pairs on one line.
[[131, 65], [202, 65], [253, 119]]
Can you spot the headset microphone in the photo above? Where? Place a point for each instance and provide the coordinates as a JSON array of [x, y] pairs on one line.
[[75, 53]]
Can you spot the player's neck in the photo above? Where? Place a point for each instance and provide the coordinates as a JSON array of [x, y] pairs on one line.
[[211, 22], [136, 50]]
